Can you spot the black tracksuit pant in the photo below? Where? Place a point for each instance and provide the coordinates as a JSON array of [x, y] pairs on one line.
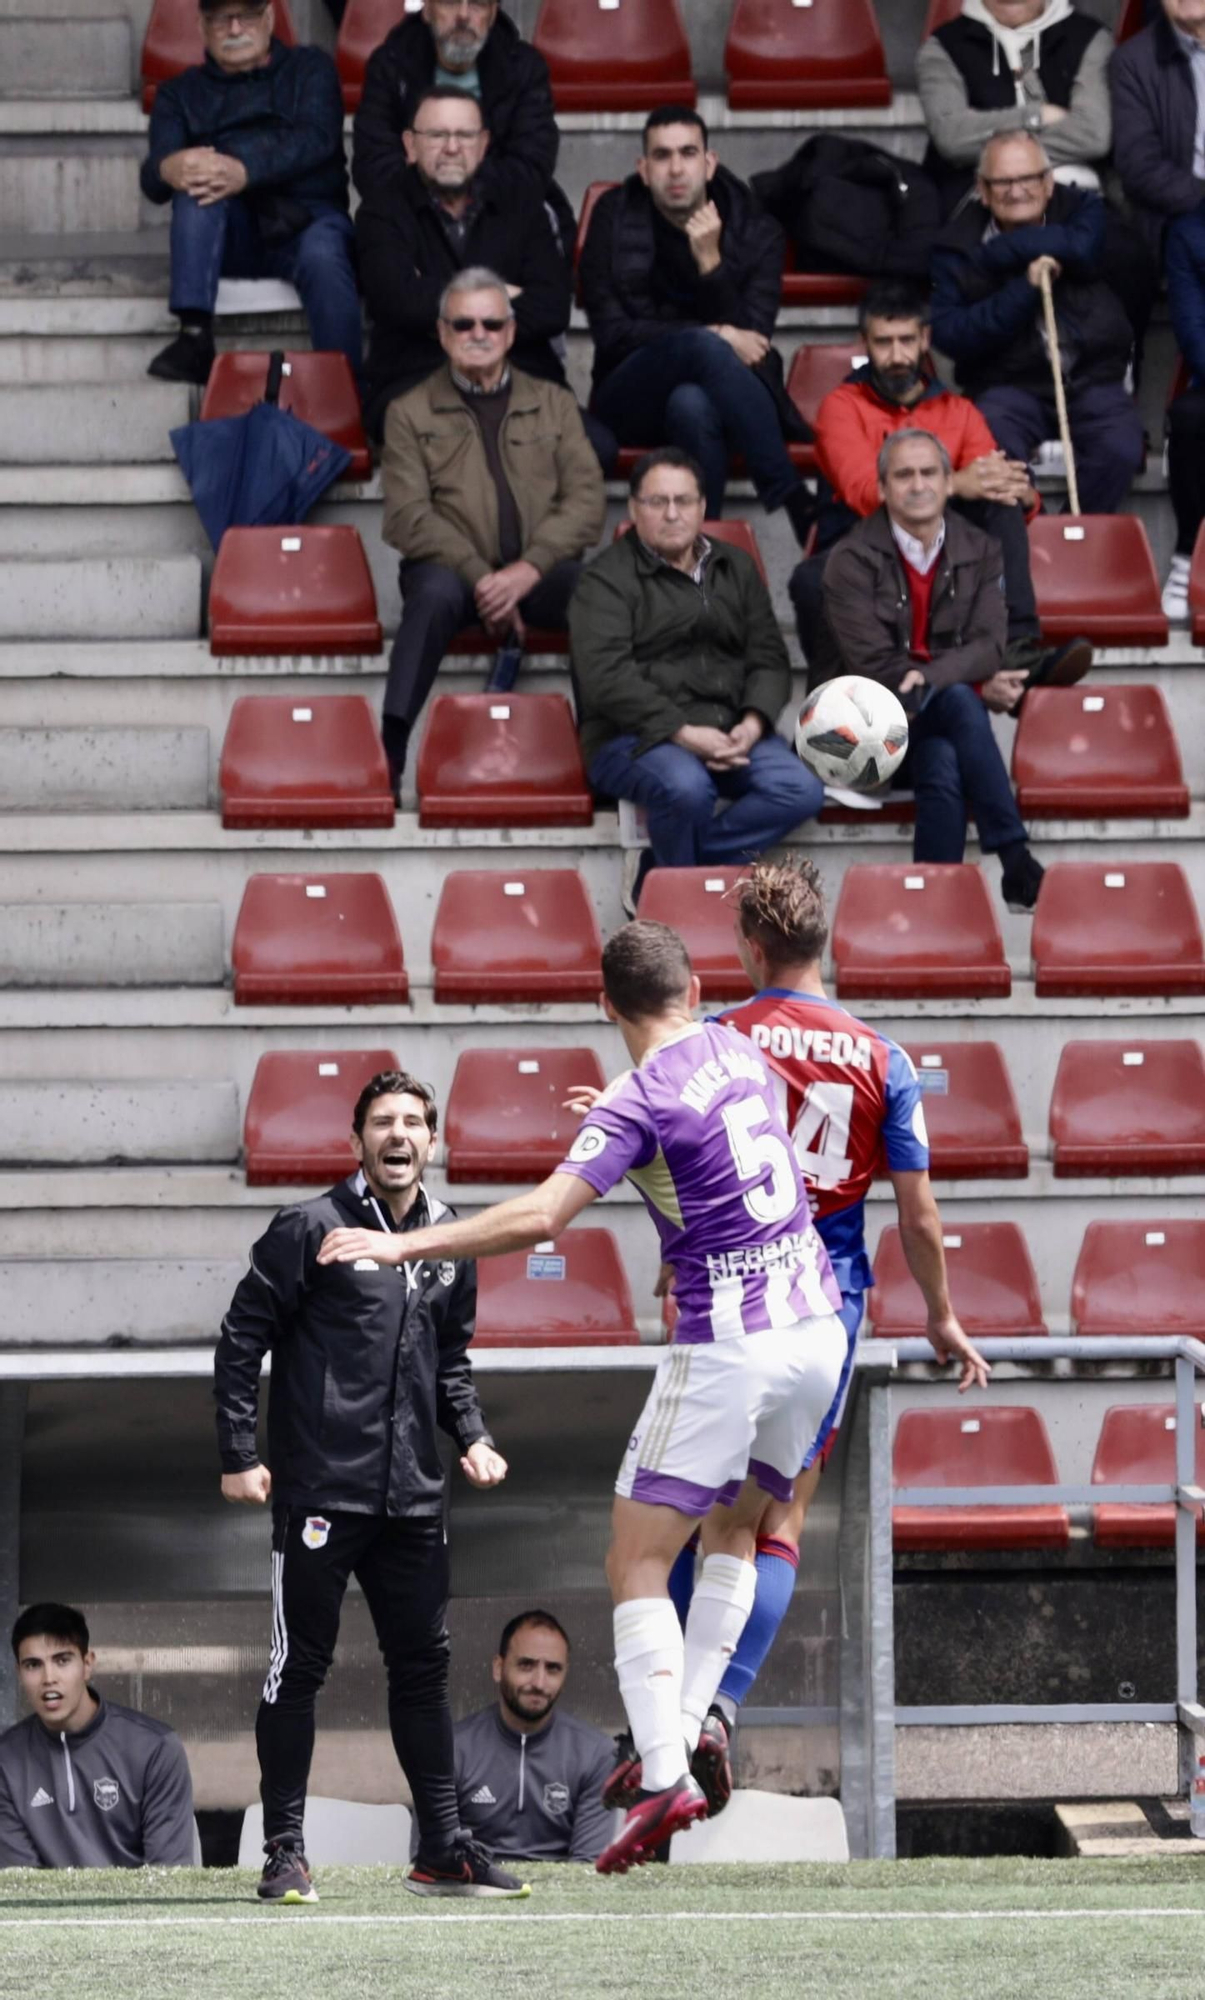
[[402, 1568]]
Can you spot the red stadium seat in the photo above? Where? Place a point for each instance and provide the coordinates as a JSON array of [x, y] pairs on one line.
[[816, 367], [173, 41], [571, 1293], [784, 56], [314, 762], [1094, 577], [1140, 1277], [1137, 1447], [502, 760], [970, 1111], [697, 903], [506, 1119], [317, 940], [615, 55], [818, 288], [589, 203], [913, 929], [299, 1113], [993, 1285], [1128, 1107], [738, 535], [538, 639], [292, 590], [1110, 751], [515, 935], [993, 1445], [319, 389], [940, 11], [1130, 20], [363, 28], [1127, 929]]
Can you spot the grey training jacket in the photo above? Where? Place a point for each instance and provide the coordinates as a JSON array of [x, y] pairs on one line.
[[117, 1794], [537, 1797]]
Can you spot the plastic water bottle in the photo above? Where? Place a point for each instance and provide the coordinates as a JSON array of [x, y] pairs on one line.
[[1196, 1802]]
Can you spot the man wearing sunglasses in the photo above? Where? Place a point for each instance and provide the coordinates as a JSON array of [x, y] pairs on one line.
[[493, 494], [248, 148]]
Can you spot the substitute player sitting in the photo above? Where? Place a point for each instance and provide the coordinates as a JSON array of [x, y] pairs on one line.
[[748, 1386], [853, 1105]]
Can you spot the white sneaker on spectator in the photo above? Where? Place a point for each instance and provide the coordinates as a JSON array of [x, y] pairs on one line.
[[1175, 590]]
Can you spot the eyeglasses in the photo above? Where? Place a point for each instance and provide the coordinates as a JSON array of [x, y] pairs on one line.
[[659, 503], [1016, 180], [463, 324], [438, 136]]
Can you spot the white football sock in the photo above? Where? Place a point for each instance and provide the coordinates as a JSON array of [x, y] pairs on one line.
[[722, 1602], [648, 1662]]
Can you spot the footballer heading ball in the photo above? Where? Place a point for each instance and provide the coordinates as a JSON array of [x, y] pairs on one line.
[[852, 733]]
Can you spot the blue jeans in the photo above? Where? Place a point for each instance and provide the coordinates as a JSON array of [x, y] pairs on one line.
[[768, 797], [691, 390], [954, 766], [224, 240]]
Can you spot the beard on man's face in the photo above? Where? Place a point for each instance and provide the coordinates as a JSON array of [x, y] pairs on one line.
[[898, 382]]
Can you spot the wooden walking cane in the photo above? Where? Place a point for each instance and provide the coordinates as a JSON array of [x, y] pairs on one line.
[[1060, 400]]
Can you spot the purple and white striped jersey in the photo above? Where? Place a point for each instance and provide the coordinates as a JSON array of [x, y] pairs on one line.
[[696, 1129]]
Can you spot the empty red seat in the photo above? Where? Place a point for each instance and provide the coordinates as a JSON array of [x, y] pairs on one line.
[[993, 1445], [363, 28], [571, 1293], [513, 935], [1094, 577], [319, 389], [506, 1118], [292, 590], [317, 940], [786, 56], [697, 902], [502, 760], [818, 288], [971, 1113], [993, 1285], [615, 55], [737, 534], [173, 41], [1109, 750], [299, 1112], [816, 367], [1128, 1107], [315, 762], [917, 928], [1127, 929], [1137, 1447], [1140, 1277]]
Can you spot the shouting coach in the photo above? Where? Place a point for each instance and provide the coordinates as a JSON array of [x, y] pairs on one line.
[[368, 1359]]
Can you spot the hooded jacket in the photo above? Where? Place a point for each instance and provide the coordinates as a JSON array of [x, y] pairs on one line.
[[869, 610], [534, 1796], [652, 650], [1155, 127], [283, 122], [116, 1794], [367, 1360]]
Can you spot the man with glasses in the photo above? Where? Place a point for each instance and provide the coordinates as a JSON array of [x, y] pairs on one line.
[[988, 268], [248, 148], [681, 673], [492, 496]]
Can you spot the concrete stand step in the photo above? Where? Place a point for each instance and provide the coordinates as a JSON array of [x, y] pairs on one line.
[[91, 423], [101, 596], [130, 944], [110, 1123], [1144, 1829], [103, 770]]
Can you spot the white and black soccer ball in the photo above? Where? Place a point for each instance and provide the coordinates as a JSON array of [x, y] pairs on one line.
[[853, 733]]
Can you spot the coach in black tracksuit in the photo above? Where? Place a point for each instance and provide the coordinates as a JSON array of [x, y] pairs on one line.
[[367, 1362]]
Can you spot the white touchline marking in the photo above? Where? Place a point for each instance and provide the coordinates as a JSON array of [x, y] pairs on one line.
[[312, 1921]]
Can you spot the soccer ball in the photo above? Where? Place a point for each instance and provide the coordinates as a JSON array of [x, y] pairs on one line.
[[852, 732]]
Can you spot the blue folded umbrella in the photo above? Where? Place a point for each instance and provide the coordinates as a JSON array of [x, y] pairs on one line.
[[258, 470]]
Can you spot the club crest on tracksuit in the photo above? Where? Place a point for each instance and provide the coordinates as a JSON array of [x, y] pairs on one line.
[[315, 1532], [556, 1797], [446, 1273], [105, 1792]]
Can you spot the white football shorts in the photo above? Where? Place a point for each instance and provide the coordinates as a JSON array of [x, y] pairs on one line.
[[720, 1411]]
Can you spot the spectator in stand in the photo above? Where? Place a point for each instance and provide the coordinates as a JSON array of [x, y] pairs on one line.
[[896, 389], [1186, 417], [492, 496], [441, 218], [84, 1783], [1158, 80], [529, 1777], [988, 317], [912, 598], [1038, 66], [470, 45], [248, 148], [681, 673], [681, 275]]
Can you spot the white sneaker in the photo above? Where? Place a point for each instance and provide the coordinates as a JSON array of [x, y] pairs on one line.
[[1175, 591]]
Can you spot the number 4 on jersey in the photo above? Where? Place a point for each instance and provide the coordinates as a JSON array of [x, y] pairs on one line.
[[822, 1133]]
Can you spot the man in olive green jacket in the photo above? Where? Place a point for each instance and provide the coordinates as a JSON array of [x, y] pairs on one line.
[[493, 494], [680, 673]]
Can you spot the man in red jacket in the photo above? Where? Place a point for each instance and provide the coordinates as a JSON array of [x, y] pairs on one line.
[[895, 389]]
